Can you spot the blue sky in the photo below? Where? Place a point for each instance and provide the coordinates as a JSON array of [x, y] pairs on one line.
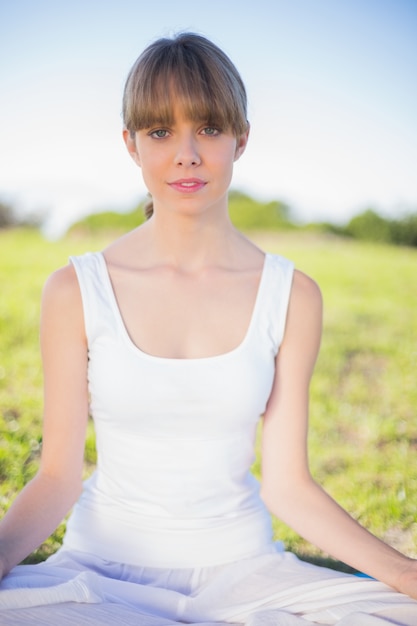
[[332, 100]]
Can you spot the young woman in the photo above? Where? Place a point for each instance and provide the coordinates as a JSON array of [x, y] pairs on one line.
[[177, 338]]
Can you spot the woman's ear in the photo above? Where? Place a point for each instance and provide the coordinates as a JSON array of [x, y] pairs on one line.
[[241, 143], [130, 142]]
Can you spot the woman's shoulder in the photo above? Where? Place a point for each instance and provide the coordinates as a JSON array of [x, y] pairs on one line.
[[306, 288], [306, 303], [303, 287], [62, 288]]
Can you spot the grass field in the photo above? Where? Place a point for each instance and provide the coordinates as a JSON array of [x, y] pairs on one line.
[[363, 441]]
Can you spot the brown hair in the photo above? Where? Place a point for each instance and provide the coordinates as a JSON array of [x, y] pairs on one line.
[[191, 70]]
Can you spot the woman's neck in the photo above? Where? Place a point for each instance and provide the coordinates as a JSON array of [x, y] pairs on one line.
[[191, 244], [188, 244]]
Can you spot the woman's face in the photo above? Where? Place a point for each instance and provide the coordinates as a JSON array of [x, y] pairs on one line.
[[186, 166]]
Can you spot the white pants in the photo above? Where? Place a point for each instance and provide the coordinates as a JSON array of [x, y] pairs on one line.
[[268, 590]]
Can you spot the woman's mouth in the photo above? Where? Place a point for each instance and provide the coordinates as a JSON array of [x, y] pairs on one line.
[[188, 185]]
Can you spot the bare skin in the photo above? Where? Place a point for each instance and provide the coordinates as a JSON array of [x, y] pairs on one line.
[[186, 283]]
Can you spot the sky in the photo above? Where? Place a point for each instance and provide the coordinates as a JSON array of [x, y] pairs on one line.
[[332, 87]]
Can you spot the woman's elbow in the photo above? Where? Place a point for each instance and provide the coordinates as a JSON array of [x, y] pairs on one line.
[[280, 494]]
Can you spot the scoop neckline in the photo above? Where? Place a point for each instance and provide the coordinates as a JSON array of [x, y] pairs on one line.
[[133, 346]]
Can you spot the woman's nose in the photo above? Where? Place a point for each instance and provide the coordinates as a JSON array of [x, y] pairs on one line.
[[187, 153]]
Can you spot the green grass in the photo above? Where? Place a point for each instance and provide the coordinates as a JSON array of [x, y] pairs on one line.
[[363, 439]]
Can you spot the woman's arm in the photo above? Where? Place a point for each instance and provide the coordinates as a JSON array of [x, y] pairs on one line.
[[287, 486], [45, 501]]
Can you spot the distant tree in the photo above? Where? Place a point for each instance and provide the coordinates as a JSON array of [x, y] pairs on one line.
[[247, 213], [372, 227], [369, 226], [404, 231], [11, 218], [7, 215], [109, 221]]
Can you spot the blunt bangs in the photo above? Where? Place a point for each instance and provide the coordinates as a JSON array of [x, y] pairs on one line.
[[189, 72]]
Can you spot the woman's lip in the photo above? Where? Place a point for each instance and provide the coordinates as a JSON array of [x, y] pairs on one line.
[[187, 185]]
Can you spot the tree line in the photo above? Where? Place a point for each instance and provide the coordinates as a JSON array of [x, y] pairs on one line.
[[370, 226], [247, 214]]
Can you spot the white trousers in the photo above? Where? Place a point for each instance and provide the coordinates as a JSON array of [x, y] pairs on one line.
[[268, 590]]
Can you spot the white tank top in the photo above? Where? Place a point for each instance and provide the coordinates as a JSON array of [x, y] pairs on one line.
[[175, 437]]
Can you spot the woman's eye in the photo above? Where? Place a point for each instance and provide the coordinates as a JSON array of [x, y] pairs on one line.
[[211, 130], [160, 133]]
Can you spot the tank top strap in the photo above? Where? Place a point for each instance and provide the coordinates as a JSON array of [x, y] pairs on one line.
[[275, 290], [97, 306]]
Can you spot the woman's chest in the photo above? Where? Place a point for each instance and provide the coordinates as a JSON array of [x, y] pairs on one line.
[[173, 315]]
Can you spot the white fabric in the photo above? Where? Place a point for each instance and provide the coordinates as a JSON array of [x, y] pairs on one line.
[[175, 437], [271, 589], [170, 529]]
